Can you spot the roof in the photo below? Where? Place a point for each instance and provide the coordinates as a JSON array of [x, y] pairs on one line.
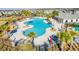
[[68, 16]]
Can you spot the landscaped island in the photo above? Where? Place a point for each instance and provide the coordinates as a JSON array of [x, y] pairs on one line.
[[39, 30]]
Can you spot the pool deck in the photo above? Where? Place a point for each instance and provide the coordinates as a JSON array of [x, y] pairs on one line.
[[38, 40], [41, 39], [19, 35]]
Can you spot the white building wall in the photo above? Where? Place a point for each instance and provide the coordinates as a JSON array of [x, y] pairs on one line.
[[69, 21]]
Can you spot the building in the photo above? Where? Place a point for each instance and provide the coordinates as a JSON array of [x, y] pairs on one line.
[[9, 12], [69, 17], [71, 21]]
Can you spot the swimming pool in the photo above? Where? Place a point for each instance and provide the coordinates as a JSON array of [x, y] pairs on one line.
[[39, 27], [77, 29]]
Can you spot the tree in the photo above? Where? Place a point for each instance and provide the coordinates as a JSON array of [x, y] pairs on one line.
[[26, 12], [48, 16], [55, 13], [66, 37], [26, 47], [31, 34], [51, 15], [5, 45]]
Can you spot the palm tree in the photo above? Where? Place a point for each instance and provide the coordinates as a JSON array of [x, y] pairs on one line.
[[66, 37], [1, 33], [2, 29], [51, 15], [32, 35], [5, 45], [28, 46]]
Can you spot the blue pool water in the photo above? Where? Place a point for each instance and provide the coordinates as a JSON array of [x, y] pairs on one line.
[[77, 28], [39, 27]]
